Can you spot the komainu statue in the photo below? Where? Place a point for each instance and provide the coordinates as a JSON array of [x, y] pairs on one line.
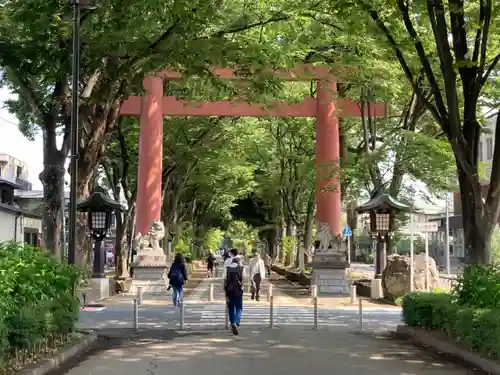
[[152, 238], [328, 242], [149, 252]]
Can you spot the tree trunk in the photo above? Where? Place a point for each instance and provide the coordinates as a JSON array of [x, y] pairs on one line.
[[121, 244], [52, 181], [83, 241], [477, 235]]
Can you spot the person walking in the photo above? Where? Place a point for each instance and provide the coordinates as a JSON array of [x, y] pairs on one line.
[[233, 274], [267, 264], [177, 276], [211, 261], [257, 274]]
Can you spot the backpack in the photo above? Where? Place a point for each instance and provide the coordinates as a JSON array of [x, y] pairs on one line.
[[176, 275], [234, 281]]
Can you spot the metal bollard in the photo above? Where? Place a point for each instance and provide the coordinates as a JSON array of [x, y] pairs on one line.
[[139, 295], [211, 292], [84, 299], [314, 292], [361, 328], [136, 314], [271, 306], [353, 294], [181, 312]]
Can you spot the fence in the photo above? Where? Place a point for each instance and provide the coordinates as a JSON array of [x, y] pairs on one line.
[[211, 314]]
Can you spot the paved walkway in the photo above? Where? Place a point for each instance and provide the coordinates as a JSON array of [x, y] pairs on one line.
[[291, 351], [199, 313]]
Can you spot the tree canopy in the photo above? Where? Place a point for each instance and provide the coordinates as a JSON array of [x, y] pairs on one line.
[[434, 62]]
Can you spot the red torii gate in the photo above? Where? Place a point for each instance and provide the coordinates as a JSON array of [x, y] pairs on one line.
[[326, 107]]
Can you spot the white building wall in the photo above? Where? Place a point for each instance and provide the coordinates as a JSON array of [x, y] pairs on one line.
[[8, 226], [486, 147]]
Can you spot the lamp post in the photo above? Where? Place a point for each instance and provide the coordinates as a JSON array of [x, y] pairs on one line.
[[99, 208], [379, 209], [75, 106]]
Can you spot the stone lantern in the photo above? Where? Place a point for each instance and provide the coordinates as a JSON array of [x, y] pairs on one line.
[[379, 209], [100, 209]]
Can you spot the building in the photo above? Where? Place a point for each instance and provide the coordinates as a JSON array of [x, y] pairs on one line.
[[16, 223]]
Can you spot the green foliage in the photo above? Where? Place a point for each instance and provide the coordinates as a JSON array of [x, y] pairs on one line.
[[470, 314], [479, 286], [213, 239], [477, 329], [495, 245], [242, 236], [37, 304]]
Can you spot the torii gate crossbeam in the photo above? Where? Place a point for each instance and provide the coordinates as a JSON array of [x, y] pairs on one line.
[[326, 108]]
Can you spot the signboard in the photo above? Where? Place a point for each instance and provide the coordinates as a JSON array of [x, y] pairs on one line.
[[347, 232], [427, 227]]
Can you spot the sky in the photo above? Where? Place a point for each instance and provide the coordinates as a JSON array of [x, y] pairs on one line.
[[12, 142]]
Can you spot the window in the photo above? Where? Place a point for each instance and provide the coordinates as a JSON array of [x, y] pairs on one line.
[[19, 171], [489, 148], [480, 151]]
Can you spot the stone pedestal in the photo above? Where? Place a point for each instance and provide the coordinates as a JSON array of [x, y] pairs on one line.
[[377, 291], [100, 288], [330, 274], [150, 273]]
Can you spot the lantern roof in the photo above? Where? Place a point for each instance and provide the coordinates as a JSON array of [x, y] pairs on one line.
[[381, 201], [99, 201]]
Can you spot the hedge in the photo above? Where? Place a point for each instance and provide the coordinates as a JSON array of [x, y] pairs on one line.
[[477, 329], [38, 306]]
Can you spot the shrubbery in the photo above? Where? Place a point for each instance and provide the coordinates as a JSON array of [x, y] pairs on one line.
[[470, 314], [37, 303]]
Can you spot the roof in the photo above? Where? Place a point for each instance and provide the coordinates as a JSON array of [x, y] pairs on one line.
[[97, 201], [16, 210], [11, 184], [383, 201]]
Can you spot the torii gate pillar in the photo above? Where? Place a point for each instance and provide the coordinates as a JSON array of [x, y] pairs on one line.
[[328, 199], [149, 192]]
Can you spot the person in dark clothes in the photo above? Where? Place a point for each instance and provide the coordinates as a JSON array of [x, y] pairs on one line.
[[177, 276]]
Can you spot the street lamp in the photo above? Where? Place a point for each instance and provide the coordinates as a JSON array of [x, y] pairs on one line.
[[379, 209], [100, 208], [75, 106]]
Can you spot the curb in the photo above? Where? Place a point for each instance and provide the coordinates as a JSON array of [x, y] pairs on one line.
[[420, 337], [47, 365]]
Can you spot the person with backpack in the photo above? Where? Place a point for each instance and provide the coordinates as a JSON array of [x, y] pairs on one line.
[[234, 271], [177, 276], [211, 262]]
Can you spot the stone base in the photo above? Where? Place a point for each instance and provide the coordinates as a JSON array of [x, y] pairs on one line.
[[100, 288], [376, 289], [332, 281], [150, 273], [151, 280]]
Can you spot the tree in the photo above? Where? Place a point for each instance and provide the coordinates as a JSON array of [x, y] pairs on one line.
[[455, 46], [117, 52]]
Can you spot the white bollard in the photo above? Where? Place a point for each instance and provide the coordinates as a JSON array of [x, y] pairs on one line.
[[181, 313], [353, 294], [361, 328], [271, 306], [139, 295], [211, 292], [136, 314], [314, 293]]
